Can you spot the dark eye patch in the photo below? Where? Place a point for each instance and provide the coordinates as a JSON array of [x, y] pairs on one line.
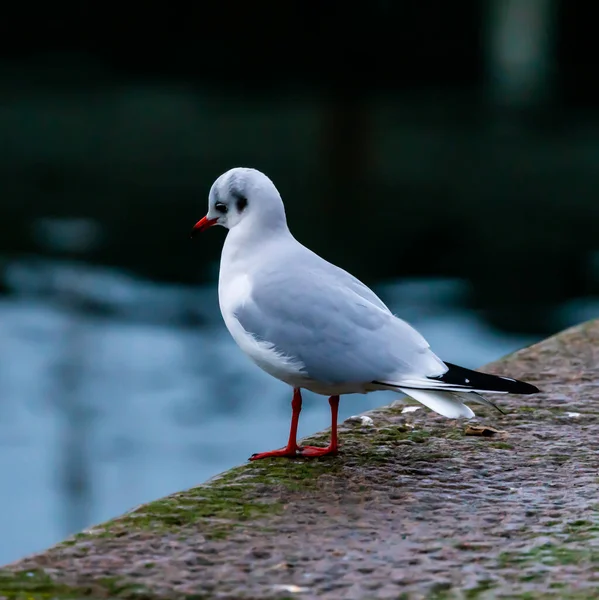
[[242, 202], [221, 208]]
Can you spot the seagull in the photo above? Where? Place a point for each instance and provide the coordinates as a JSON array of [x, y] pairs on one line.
[[313, 325]]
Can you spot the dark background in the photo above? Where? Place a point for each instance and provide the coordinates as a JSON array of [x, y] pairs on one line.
[[417, 140], [415, 137]]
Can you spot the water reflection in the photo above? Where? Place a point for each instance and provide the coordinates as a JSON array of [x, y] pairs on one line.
[[117, 390]]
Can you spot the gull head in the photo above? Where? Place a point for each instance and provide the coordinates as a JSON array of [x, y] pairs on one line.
[[243, 197]]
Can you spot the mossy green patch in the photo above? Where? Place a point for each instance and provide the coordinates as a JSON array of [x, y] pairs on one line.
[[33, 584], [581, 530], [533, 576], [550, 555], [242, 494], [563, 594], [433, 456], [486, 591], [401, 432], [419, 436], [441, 591], [317, 439], [480, 589], [386, 435], [289, 474], [501, 445], [557, 585], [581, 524], [215, 508], [383, 443], [37, 585], [453, 434]]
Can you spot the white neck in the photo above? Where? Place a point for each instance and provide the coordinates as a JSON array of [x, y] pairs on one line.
[[253, 235]]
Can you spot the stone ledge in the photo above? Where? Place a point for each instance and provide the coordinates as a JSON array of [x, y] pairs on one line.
[[412, 508]]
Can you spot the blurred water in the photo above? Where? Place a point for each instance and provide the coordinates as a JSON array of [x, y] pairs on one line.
[[115, 390]]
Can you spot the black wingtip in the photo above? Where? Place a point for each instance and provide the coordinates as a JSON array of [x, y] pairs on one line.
[[460, 376]]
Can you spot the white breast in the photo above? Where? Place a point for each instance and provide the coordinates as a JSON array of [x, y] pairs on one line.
[[233, 295]]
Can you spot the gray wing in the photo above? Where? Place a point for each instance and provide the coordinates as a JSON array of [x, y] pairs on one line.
[[336, 326]]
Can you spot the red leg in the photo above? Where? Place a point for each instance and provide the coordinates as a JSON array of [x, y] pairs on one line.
[[290, 450], [333, 446]]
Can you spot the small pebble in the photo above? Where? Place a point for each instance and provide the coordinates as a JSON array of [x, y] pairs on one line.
[[362, 419], [292, 589]]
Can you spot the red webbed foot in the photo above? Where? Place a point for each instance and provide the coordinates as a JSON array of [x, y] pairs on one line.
[[281, 452], [315, 451]]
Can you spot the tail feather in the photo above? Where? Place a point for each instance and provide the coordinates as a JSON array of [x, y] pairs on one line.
[[446, 393], [460, 377], [449, 404], [474, 397], [444, 403]]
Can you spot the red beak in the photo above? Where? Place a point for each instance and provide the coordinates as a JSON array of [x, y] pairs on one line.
[[201, 225]]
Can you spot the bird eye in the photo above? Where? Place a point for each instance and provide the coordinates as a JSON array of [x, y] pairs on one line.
[[220, 207]]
